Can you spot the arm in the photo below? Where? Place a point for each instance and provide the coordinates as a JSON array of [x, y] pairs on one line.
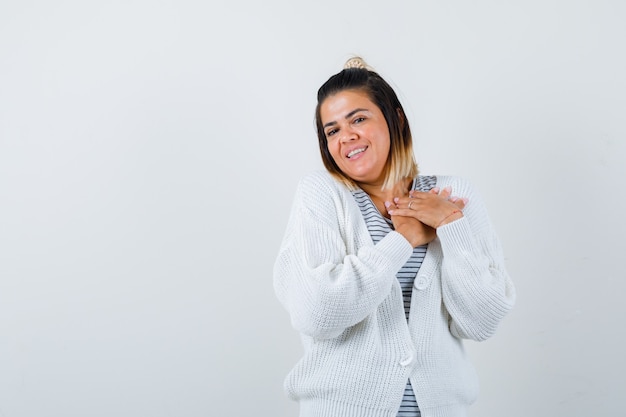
[[477, 290], [327, 282]]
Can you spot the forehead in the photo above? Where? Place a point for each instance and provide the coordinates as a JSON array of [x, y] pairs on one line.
[[336, 106]]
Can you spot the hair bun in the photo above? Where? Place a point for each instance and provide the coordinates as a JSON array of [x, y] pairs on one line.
[[356, 62]]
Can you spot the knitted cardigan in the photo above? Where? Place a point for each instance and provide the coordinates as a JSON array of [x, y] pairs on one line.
[[343, 297]]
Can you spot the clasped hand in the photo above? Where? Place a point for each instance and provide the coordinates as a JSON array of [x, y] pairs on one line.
[[418, 216]]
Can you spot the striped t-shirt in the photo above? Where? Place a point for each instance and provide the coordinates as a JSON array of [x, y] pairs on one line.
[[378, 226]]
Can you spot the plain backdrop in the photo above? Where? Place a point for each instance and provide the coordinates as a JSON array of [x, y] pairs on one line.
[[149, 152]]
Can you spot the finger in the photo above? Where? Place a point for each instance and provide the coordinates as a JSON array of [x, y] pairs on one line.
[[409, 203], [404, 212], [445, 193], [399, 200], [419, 194], [390, 206], [434, 190], [460, 203]]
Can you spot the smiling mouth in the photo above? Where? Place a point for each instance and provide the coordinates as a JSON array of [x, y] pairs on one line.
[[356, 152]]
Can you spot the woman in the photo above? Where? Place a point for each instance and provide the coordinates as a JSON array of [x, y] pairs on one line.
[[382, 271]]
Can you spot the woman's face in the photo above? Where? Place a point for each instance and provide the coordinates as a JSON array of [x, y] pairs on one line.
[[357, 135]]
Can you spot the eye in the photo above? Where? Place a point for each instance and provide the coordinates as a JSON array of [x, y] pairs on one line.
[[331, 132], [358, 119]]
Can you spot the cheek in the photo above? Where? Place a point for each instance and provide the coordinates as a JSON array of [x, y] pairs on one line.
[[333, 149]]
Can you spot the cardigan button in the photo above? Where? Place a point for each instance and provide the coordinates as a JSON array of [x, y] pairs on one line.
[[421, 282], [406, 361]]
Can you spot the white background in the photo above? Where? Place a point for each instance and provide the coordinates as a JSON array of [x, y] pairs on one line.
[[149, 152]]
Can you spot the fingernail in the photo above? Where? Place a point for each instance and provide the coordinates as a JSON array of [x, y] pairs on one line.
[[390, 211], [387, 204], [448, 189], [436, 189], [465, 200], [396, 199]]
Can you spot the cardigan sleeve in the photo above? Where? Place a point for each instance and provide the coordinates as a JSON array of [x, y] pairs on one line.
[[477, 290], [326, 283]]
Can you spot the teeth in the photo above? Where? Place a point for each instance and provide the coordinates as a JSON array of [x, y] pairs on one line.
[[356, 151]]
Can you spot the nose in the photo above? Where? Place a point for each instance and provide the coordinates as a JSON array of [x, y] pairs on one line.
[[349, 135]]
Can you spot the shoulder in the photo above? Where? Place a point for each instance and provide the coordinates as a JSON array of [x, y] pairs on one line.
[[318, 190], [317, 184], [317, 179]]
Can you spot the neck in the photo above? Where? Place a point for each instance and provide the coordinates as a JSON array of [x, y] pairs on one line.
[[379, 196], [400, 189]]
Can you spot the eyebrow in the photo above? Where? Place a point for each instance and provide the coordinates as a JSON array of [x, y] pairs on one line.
[[349, 115]]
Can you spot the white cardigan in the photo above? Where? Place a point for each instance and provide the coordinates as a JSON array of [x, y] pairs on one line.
[[343, 297]]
